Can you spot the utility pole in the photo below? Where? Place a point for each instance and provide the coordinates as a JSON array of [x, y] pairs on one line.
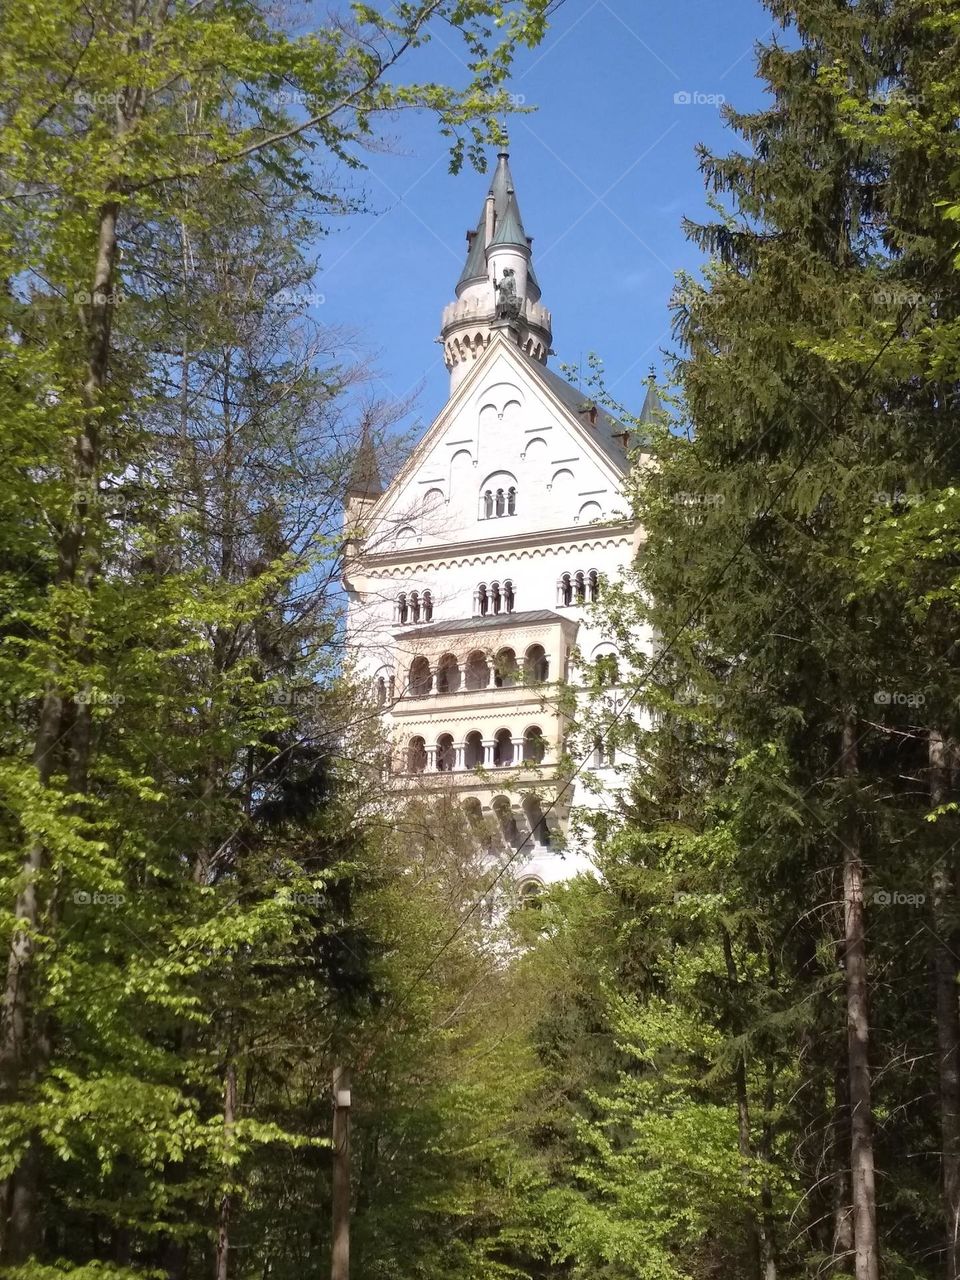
[[340, 1249]]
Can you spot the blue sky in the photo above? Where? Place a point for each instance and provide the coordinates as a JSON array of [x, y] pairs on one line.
[[605, 170]]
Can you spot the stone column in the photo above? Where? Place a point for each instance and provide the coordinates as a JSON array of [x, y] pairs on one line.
[[458, 755], [431, 766], [488, 747], [517, 750]]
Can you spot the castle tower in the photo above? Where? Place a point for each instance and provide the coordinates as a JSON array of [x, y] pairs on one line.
[[497, 289]]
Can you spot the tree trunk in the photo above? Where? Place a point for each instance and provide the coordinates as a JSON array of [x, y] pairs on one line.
[[751, 1227], [842, 1259], [948, 1017], [223, 1225], [866, 1252], [18, 1046]]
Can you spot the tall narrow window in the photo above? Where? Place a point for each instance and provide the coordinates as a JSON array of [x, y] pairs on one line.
[[499, 502], [473, 750], [420, 678], [448, 674], [536, 667], [446, 753], [505, 669], [416, 756], [483, 602], [426, 605], [381, 691], [564, 590], [478, 673], [580, 589], [414, 607], [402, 611], [534, 747], [508, 597], [593, 584], [511, 501], [495, 599], [488, 504], [503, 749]]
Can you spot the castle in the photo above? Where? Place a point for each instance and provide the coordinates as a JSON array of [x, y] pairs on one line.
[[470, 577]]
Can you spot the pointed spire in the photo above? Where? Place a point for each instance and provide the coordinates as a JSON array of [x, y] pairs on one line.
[[475, 268], [498, 249], [501, 185], [651, 402], [364, 479], [509, 227]]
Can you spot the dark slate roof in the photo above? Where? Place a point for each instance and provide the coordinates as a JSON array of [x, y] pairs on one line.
[[364, 479], [606, 427], [651, 403], [488, 623], [509, 227], [501, 185], [475, 268]]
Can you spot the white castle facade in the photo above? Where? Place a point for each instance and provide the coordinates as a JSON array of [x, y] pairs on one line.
[[470, 578]]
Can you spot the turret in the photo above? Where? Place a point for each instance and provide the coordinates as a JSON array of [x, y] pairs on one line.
[[364, 486], [497, 289]]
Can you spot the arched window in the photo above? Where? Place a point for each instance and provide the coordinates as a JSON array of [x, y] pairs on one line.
[[478, 672], [536, 665], [534, 747], [473, 750], [530, 893], [446, 753], [481, 600], [604, 753], [503, 810], [414, 606], [505, 669], [448, 674], [509, 597], [495, 597], [579, 588], [416, 756], [402, 610], [419, 678], [608, 670], [593, 586], [381, 691], [503, 748], [536, 821], [498, 495], [564, 590], [427, 606]]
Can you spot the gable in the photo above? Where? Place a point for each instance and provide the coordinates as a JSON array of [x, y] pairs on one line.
[[508, 455]]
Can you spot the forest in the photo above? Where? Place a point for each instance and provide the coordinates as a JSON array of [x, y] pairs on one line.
[[731, 1054]]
